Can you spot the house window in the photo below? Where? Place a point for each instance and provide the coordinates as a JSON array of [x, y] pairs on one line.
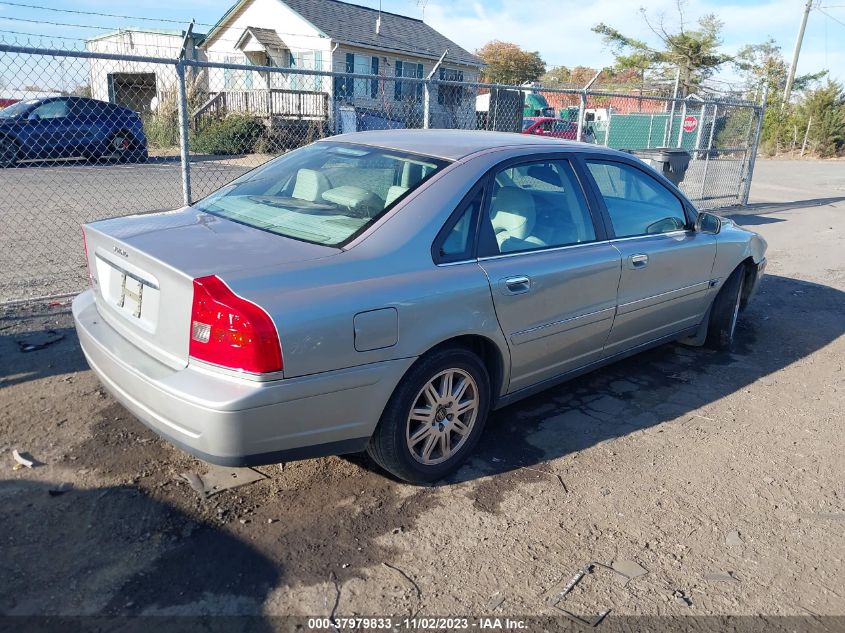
[[351, 87], [307, 60], [231, 77], [408, 90], [450, 95]]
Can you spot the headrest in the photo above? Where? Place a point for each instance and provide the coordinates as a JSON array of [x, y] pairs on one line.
[[310, 184], [512, 211]]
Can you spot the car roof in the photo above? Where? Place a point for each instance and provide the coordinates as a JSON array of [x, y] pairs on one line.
[[456, 144]]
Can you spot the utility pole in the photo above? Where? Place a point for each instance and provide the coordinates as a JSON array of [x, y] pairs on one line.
[[791, 77]]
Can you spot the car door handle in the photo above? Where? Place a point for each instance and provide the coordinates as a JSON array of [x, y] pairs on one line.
[[640, 260], [517, 285]]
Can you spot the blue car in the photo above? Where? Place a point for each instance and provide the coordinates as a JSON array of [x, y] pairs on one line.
[[70, 127]]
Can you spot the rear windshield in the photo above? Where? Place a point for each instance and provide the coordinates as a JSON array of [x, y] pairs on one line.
[[326, 193]]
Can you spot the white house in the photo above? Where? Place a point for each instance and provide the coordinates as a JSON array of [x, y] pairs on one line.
[[326, 35]]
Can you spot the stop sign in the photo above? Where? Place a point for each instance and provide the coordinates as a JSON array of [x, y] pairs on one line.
[[690, 123]]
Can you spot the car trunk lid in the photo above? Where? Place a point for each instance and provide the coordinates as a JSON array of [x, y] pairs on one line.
[[143, 267]]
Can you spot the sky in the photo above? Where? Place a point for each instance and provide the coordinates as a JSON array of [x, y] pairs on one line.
[[559, 30]]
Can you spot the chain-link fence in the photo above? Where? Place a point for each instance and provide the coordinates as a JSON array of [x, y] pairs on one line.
[[89, 135]]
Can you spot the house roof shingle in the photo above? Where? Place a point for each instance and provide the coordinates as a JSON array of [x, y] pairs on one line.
[[355, 25], [268, 37]]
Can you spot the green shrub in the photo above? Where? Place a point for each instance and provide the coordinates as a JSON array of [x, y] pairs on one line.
[[234, 134], [162, 129], [290, 135]]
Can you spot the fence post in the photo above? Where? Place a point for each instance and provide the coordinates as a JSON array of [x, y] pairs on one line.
[[701, 114], [667, 135], [426, 103], [754, 145], [681, 126], [182, 99], [650, 127], [709, 148], [582, 105]]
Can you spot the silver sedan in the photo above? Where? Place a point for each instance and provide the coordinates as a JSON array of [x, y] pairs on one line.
[[384, 291]]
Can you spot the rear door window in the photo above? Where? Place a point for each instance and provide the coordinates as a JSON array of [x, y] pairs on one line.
[[637, 203]]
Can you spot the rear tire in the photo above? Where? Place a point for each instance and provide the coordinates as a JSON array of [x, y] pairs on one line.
[[9, 152], [434, 418], [120, 146], [725, 312]]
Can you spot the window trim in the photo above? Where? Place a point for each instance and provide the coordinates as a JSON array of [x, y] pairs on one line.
[[485, 182], [688, 212], [479, 187]]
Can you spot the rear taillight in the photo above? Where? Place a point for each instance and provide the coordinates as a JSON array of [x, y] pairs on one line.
[[87, 262], [230, 331]]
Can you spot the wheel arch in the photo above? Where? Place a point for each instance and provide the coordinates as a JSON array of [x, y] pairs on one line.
[[487, 350], [749, 265]]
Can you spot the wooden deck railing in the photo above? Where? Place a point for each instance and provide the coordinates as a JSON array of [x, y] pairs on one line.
[[292, 104]]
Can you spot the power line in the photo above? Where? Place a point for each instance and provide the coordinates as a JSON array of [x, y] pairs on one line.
[[46, 37], [105, 15], [125, 29], [830, 16]]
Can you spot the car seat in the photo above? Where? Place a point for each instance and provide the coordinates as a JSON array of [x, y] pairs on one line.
[[513, 215], [310, 185]]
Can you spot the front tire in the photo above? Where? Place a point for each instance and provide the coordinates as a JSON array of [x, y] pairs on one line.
[[725, 312], [435, 417]]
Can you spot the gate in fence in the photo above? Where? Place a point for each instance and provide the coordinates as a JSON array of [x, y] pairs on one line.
[[95, 135]]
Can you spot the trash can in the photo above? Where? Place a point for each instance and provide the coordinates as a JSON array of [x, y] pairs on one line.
[[669, 161]]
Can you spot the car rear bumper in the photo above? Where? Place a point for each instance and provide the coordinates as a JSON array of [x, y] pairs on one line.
[[236, 421]]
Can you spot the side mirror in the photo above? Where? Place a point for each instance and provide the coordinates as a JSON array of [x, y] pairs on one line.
[[708, 223], [32, 118]]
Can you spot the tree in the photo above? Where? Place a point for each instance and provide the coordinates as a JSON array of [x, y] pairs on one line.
[[694, 52], [763, 63], [824, 110], [507, 63]]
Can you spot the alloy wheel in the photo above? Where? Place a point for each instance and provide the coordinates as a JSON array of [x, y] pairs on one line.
[[442, 416]]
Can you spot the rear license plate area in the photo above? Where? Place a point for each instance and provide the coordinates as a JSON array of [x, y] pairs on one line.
[[129, 292], [131, 295]]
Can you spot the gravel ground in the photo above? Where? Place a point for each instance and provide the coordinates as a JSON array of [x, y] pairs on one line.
[[721, 474]]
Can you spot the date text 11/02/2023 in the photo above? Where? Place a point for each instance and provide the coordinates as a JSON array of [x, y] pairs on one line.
[[416, 624]]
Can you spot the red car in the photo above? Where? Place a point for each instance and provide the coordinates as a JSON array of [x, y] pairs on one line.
[[549, 126]]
